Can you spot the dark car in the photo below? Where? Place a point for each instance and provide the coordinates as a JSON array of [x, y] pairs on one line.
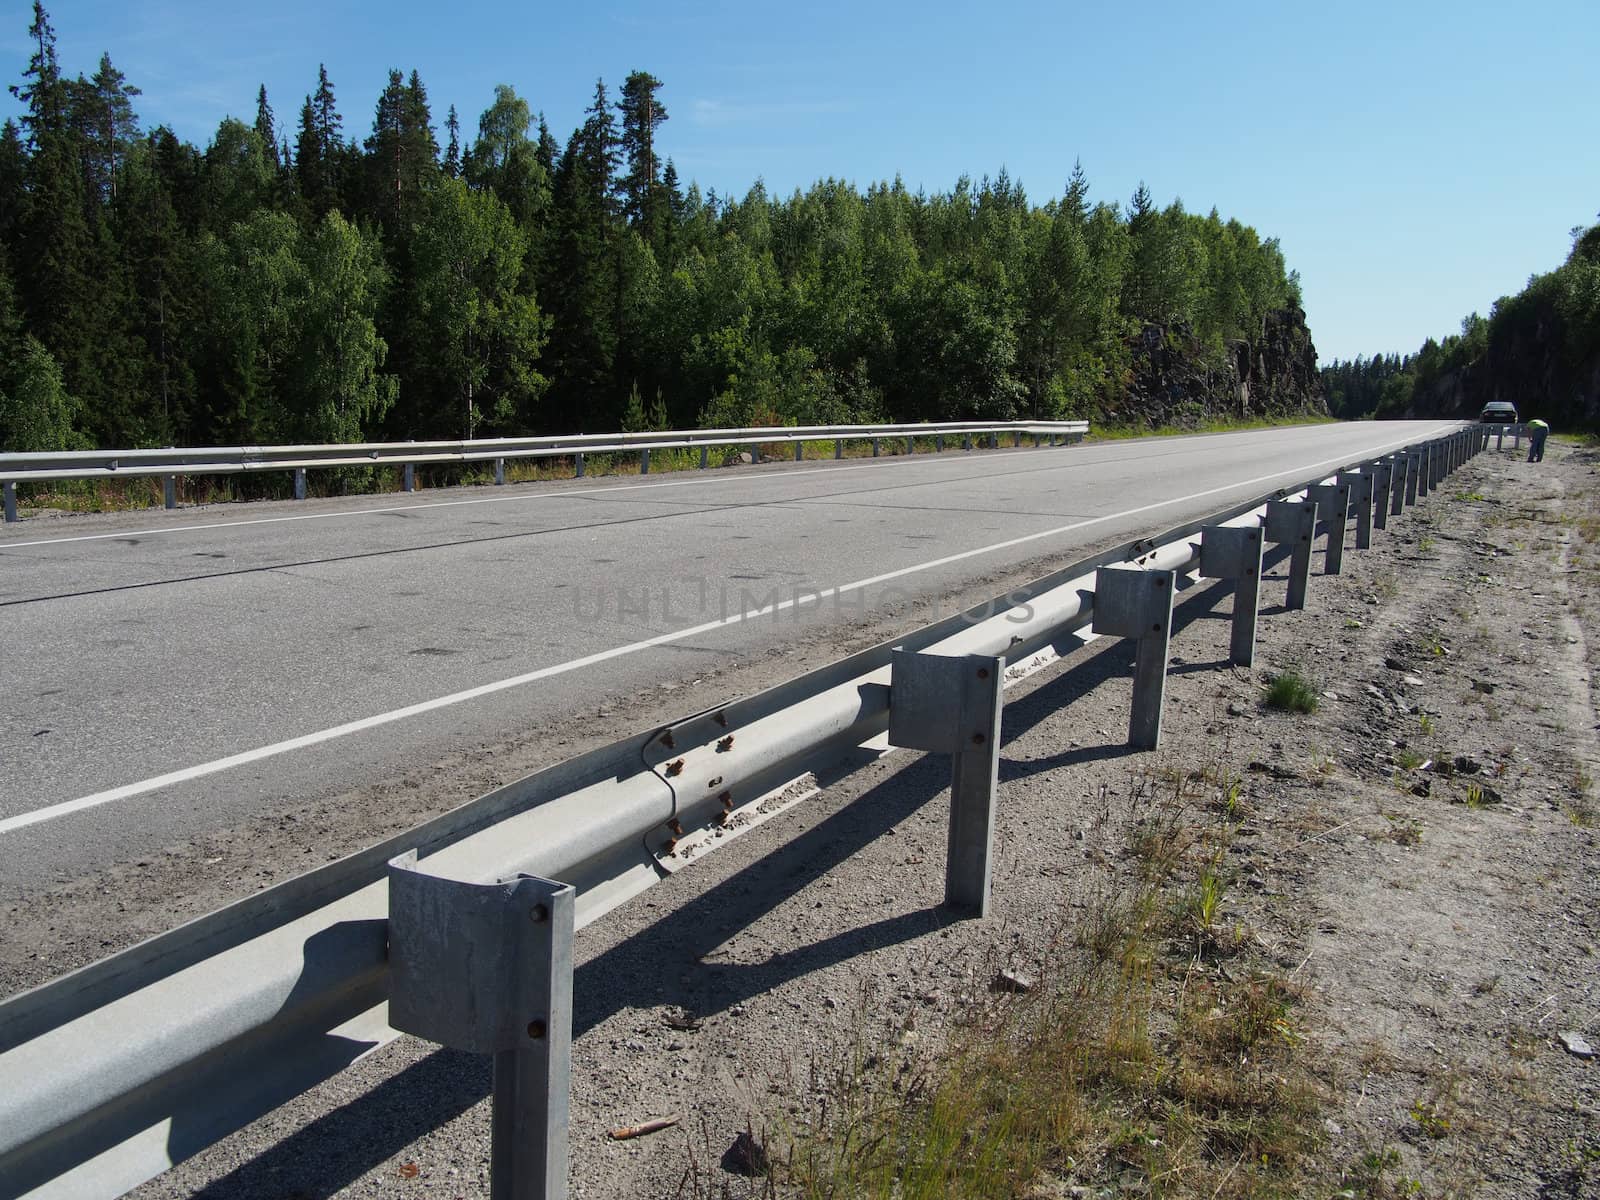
[[1498, 412]]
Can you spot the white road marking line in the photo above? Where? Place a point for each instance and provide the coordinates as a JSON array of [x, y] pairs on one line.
[[928, 460], [68, 807], [919, 460]]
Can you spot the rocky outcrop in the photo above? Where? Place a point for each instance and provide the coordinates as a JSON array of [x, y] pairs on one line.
[[1177, 381]]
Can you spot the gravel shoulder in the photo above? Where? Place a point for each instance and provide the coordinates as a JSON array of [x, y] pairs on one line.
[[1419, 856]]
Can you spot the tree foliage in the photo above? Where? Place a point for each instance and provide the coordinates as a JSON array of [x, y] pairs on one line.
[[305, 284]]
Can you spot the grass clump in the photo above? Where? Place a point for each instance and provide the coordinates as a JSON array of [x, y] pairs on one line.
[[1133, 1063], [1290, 691]]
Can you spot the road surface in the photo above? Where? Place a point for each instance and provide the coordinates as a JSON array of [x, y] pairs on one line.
[[165, 674]]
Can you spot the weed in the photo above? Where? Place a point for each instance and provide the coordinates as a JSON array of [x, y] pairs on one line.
[[1425, 723], [1291, 691], [1408, 759], [1403, 830], [1425, 544], [1429, 1119], [1107, 1072]]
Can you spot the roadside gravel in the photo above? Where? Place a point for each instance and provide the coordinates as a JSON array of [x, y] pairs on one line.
[[1419, 854]]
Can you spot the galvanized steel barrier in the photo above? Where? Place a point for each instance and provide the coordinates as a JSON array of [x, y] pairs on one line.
[[460, 930], [170, 463]]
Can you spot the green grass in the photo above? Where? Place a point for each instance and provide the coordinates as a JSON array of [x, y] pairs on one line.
[[1290, 691], [1111, 432]]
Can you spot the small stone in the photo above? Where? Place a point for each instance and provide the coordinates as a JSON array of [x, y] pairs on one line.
[[1413, 681], [1332, 1126], [1466, 765], [1421, 788], [1011, 981], [1484, 686], [829, 1002], [1235, 709], [1575, 1044], [1396, 664], [1330, 695]]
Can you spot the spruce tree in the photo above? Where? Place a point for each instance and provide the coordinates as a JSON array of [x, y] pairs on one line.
[[266, 127]]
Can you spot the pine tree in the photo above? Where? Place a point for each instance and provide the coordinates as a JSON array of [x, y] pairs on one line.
[[113, 127], [642, 114]]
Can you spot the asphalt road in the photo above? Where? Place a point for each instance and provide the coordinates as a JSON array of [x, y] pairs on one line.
[[162, 674]]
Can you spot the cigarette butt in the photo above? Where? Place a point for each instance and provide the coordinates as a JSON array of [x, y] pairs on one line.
[[623, 1132]]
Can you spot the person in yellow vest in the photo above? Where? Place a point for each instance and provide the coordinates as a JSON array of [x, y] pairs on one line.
[[1537, 432]]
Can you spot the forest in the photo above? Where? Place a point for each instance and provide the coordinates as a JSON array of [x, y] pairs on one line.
[[1539, 349], [295, 282]]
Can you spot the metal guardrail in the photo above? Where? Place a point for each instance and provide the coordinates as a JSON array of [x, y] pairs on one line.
[[113, 1073], [235, 460]]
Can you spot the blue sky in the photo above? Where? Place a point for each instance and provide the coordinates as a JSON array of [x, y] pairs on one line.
[[1416, 159]]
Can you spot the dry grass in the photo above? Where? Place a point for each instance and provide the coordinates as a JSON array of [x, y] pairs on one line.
[[1137, 1061]]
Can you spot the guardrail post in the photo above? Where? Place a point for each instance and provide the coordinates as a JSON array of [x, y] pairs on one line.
[[1413, 477], [838, 447], [799, 452], [966, 441], [1294, 522], [1499, 437], [994, 441], [1397, 484], [1333, 508], [938, 443], [1133, 603], [1360, 484], [487, 968], [705, 456], [10, 490], [408, 478], [169, 491], [499, 472], [952, 705], [577, 464], [300, 483], [1382, 482], [1234, 552], [1516, 437], [874, 447], [644, 461], [1016, 440]]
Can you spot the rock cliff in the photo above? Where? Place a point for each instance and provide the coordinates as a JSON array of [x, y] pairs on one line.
[[1177, 381]]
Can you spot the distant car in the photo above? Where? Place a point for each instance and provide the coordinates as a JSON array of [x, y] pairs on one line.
[[1498, 412]]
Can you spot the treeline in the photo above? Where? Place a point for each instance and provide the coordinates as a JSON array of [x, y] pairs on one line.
[[1539, 349], [297, 284]]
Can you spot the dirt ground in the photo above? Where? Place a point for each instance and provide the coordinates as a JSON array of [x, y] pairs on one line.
[[1418, 857]]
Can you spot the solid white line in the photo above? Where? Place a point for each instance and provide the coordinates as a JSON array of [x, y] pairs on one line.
[[201, 770], [898, 460], [928, 460]]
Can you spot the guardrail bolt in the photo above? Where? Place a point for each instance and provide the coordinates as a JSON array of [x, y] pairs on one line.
[[539, 914], [725, 744], [666, 740], [721, 719], [536, 1030], [675, 768]]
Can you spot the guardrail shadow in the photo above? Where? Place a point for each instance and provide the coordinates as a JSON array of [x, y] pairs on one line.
[[647, 969]]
